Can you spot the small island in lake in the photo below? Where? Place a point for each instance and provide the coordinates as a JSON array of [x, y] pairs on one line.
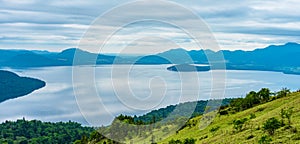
[[188, 68], [13, 86]]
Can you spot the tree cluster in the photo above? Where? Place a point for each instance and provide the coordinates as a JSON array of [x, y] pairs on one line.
[[253, 99], [37, 132]]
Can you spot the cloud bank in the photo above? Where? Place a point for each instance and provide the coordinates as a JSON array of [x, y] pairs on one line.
[[57, 25]]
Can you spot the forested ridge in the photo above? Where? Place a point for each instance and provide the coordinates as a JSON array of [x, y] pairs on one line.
[[174, 111]]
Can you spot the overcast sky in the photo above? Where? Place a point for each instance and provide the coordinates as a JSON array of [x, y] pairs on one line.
[[59, 24]]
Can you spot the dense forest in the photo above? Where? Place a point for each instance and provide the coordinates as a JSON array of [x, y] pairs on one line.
[[37, 132], [13, 86]]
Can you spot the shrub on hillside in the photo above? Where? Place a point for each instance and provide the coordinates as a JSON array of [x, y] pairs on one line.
[[271, 125]]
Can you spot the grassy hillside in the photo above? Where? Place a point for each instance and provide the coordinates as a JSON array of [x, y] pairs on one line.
[[222, 129], [261, 117]]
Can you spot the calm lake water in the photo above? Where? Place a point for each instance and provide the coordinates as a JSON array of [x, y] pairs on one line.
[[128, 90]]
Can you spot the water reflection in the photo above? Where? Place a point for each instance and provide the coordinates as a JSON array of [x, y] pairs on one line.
[[56, 101]]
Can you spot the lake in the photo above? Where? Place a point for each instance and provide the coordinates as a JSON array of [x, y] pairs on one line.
[[132, 90]]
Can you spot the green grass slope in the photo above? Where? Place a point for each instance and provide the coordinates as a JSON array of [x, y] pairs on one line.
[[221, 130]]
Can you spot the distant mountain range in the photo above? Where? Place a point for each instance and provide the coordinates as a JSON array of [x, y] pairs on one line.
[[284, 58]]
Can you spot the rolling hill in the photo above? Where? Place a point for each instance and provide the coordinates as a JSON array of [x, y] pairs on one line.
[[276, 120], [222, 129]]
